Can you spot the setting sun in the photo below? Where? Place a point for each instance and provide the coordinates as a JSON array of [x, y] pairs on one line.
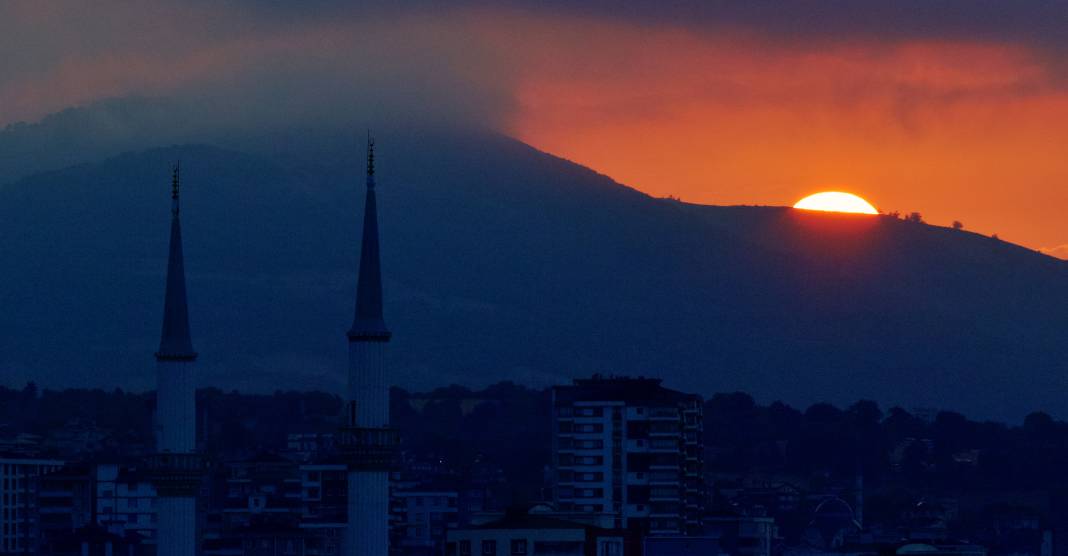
[[836, 201]]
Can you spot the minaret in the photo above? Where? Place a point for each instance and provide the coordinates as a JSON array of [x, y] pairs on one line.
[[367, 441], [175, 467]]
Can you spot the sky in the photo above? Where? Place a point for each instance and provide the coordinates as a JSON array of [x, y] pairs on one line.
[[954, 109]]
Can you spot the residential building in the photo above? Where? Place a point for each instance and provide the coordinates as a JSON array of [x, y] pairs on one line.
[[20, 531], [630, 450], [420, 518], [126, 501], [323, 503], [65, 501]]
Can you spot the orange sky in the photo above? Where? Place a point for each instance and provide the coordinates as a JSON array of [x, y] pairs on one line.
[[963, 131], [724, 111]]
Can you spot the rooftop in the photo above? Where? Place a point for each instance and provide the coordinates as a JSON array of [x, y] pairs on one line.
[[627, 389]]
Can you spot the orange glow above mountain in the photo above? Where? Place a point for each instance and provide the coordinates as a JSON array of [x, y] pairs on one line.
[[836, 201], [919, 123]]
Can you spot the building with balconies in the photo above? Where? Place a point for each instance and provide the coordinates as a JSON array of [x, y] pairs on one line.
[[126, 501], [419, 518], [629, 451], [19, 509]]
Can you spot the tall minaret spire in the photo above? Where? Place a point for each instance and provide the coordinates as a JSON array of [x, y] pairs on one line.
[[176, 468], [368, 321], [175, 341], [366, 439]]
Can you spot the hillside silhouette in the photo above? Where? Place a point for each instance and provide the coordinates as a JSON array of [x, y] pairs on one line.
[[505, 263]]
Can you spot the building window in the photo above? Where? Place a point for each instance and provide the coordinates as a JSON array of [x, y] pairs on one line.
[[519, 547], [465, 548], [611, 548], [489, 548]]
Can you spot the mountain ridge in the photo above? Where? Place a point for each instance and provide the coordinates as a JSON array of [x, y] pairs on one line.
[[503, 262]]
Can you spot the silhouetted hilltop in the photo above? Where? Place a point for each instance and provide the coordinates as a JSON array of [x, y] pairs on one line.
[[502, 262]]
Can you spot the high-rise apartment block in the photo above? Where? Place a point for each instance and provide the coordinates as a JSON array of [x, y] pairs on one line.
[[628, 452]]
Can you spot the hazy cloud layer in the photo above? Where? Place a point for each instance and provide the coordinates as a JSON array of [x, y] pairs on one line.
[[420, 59], [242, 61]]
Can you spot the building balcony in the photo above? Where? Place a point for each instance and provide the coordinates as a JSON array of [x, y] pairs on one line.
[[637, 478]]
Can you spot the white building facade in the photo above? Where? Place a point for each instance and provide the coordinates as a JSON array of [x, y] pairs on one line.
[[629, 452]]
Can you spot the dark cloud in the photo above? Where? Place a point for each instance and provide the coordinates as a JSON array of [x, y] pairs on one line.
[[250, 61], [427, 60], [1033, 22]]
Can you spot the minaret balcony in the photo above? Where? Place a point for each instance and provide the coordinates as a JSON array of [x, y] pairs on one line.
[[369, 448], [176, 474]]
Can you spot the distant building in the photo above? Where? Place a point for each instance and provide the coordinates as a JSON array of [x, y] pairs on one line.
[[20, 531], [309, 446], [630, 450], [94, 540], [522, 534], [323, 503], [126, 501], [740, 535], [420, 518], [484, 490], [76, 437], [683, 546], [263, 490], [22, 444], [65, 502], [323, 494], [260, 540]]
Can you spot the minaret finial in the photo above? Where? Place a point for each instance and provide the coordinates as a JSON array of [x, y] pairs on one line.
[[368, 323], [370, 159], [174, 187]]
